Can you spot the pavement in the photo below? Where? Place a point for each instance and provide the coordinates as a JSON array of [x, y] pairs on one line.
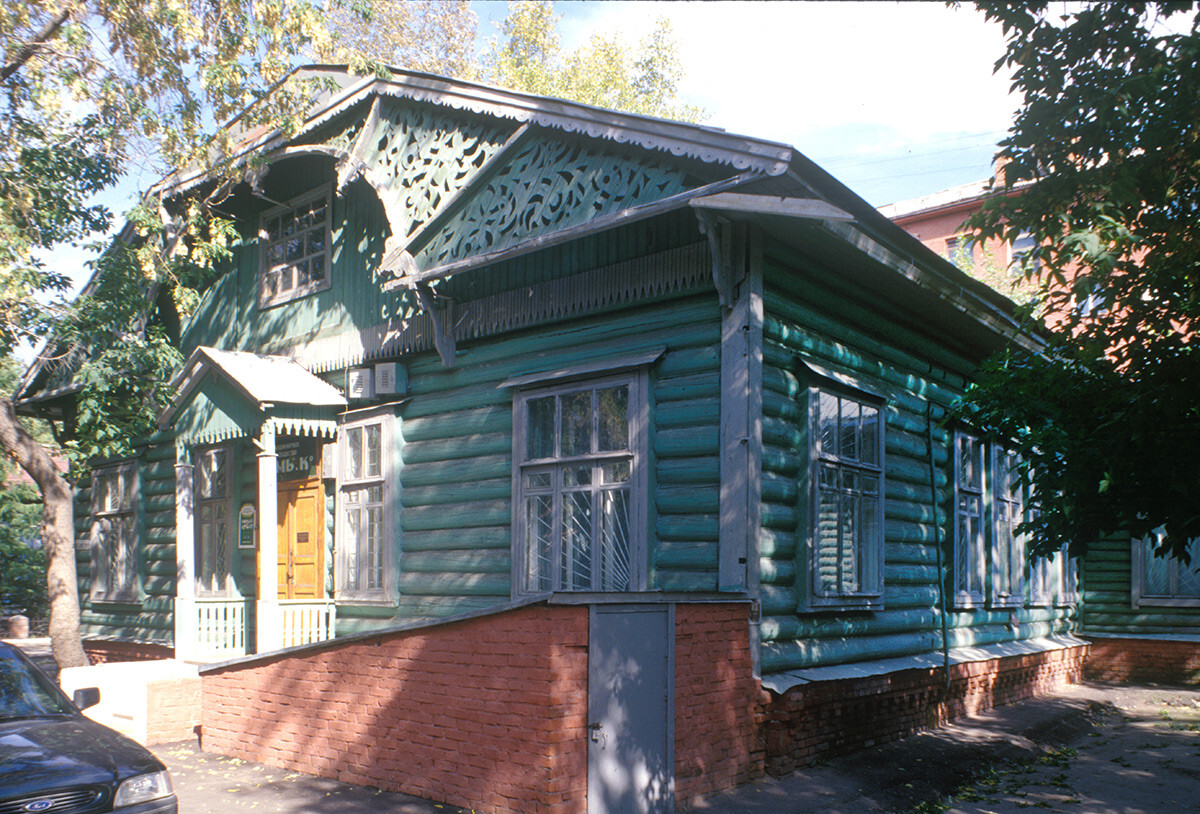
[[1091, 748]]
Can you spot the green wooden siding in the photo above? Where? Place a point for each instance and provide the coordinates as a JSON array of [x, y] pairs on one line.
[[151, 617], [1106, 587], [811, 315]]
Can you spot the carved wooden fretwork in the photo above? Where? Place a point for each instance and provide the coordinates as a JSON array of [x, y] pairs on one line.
[[548, 185], [411, 330]]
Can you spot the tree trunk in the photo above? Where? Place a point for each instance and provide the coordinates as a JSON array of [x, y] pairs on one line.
[[58, 535]]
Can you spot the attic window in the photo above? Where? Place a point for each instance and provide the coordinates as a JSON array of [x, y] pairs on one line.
[[295, 249]]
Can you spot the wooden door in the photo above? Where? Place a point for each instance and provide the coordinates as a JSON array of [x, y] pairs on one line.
[[302, 540]]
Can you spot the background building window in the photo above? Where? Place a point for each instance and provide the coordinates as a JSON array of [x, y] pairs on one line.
[[114, 533], [1165, 580], [213, 535], [846, 565], [364, 538], [295, 249], [579, 486]]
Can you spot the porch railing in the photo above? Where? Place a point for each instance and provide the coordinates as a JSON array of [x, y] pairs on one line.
[[306, 621], [219, 627]]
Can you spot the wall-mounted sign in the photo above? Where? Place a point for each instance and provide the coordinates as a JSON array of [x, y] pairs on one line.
[[247, 522], [297, 457]]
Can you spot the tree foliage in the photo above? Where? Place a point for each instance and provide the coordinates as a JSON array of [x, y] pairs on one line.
[[434, 37], [605, 72], [1104, 158]]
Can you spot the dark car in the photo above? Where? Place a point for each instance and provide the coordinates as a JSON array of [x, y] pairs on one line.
[[53, 759]]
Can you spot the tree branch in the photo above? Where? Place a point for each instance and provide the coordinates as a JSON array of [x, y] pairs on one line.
[[25, 54]]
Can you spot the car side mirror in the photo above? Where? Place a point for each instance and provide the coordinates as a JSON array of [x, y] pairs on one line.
[[86, 697]]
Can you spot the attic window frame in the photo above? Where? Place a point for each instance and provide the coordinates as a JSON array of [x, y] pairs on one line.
[[289, 209]]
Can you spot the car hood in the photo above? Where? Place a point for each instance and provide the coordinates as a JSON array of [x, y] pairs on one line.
[[66, 750]]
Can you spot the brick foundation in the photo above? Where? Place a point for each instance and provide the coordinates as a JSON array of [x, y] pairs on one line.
[[1162, 661], [718, 702], [488, 713], [104, 652], [172, 710], [826, 718]]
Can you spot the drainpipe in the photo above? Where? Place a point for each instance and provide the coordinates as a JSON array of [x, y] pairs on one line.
[[937, 544]]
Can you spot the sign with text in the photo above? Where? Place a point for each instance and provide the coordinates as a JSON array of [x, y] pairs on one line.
[[247, 521], [297, 458]]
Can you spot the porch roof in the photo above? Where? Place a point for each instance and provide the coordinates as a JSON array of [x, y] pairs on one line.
[[231, 394]]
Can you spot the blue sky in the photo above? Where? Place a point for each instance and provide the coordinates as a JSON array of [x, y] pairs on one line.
[[897, 100]]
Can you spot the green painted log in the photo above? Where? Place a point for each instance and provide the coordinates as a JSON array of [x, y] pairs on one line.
[[777, 405], [467, 515], [909, 596], [797, 655], [159, 585], [910, 553], [903, 510], [912, 472], [778, 600], [899, 442], [899, 531], [783, 462], [414, 496], [1145, 618], [899, 574], [687, 388], [777, 572], [160, 469], [160, 535], [688, 470], [160, 568], [784, 628], [159, 503], [484, 537], [689, 443], [162, 449], [686, 581], [779, 545], [684, 414], [678, 556], [434, 607], [839, 308], [162, 519], [464, 422], [132, 621], [455, 584], [776, 489], [479, 561], [781, 433], [439, 402], [484, 467], [686, 528], [781, 517], [687, 499], [346, 614], [463, 446], [687, 361], [782, 343], [899, 490]]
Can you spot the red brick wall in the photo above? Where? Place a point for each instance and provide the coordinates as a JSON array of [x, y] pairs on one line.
[[172, 710], [489, 712], [718, 702], [1139, 660], [103, 652], [825, 718]]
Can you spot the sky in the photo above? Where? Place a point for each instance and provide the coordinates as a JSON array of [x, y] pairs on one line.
[[896, 100]]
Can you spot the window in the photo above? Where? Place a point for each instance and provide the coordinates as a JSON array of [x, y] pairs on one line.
[[579, 491], [970, 541], [960, 251], [1022, 248], [1008, 547], [212, 511], [295, 249], [114, 533], [846, 565], [364, 535], [1165, 580]]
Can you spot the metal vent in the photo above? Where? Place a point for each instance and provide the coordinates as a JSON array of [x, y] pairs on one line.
[[63, 801]]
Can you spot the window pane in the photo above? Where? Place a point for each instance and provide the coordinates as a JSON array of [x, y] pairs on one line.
[[612, 404], [868, 434], [616, 472], [539, 428], [373, 450], [316, 241], [849, 430], [577, 475], [318, 268], [294, 249], [539, 542], [354, 533], [826, 541], [576, 570], [614, 540], [576, 430], [354, 456], [828, 423], [538, 480], [374, 548]]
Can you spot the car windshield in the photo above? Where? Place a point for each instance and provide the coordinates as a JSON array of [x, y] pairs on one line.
[[25, 693]]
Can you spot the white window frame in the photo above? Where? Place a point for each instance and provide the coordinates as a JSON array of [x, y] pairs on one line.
[[970, 522], [216, 503], [121, 512], [870, 552], [348, 558], [1142, 553], [266, 243], [1006, 571], [637, 456]]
